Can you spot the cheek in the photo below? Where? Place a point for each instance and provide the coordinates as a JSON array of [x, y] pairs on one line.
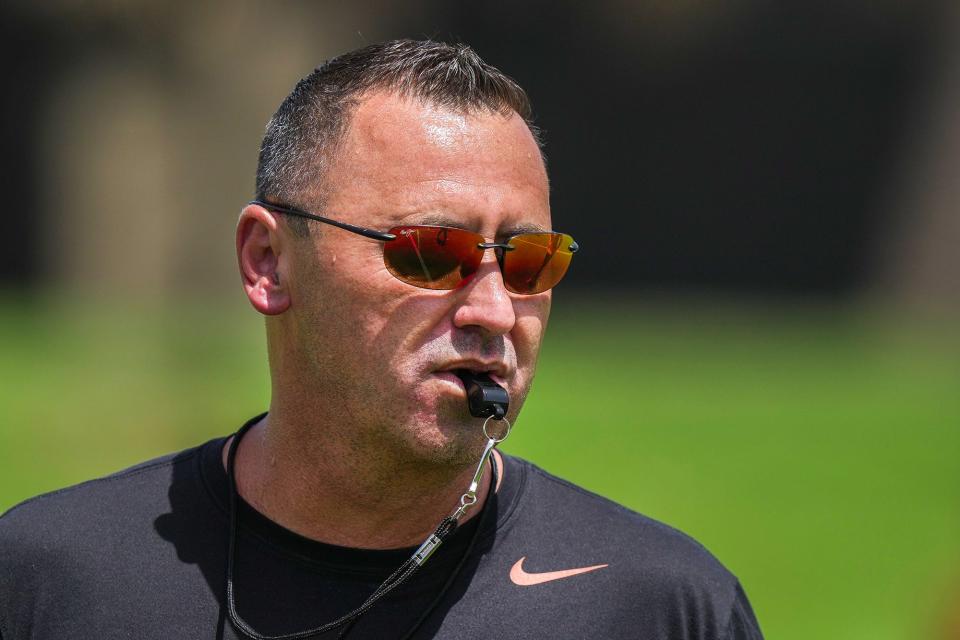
[[340, 297], [415, 321], [397, 327], [360, 291]]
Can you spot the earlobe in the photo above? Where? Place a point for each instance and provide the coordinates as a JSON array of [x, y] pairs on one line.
[[259, 248]]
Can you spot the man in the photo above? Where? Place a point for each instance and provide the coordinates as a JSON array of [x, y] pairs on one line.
[[400, 250]]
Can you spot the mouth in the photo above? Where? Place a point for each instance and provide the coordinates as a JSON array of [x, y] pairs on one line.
[[496, 371]]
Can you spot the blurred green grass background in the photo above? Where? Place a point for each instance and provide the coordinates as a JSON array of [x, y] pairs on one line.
[[815, 451]]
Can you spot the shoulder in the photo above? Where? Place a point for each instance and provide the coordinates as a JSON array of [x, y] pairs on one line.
[[65, 555], [93, 496], [651, 566], [581, 512], [89, 515]]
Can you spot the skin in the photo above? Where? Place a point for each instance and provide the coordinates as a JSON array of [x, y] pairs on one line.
[[363, 423]]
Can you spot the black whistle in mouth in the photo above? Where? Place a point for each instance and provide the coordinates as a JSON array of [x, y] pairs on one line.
[[484, 396]]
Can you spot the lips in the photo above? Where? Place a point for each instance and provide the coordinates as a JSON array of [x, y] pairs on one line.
[[499, 372]]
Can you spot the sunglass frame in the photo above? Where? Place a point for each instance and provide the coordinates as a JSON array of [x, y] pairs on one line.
[[384, 236]]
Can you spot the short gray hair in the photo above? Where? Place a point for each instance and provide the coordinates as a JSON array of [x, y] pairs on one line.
[[303, 135]]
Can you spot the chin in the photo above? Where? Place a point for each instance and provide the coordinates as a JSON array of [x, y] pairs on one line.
[[447, 441]]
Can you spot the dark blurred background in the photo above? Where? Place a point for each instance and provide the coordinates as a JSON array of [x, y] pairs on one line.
[[747, 147], [757, 343]]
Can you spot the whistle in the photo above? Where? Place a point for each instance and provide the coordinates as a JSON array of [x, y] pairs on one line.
[[485, 397]]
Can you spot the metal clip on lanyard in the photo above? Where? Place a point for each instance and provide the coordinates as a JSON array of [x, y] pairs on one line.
[[467, 500]]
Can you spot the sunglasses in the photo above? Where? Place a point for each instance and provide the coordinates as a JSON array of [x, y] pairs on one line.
[[436, 257]]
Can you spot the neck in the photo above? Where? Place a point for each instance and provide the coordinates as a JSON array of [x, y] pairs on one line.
[[334, 493]]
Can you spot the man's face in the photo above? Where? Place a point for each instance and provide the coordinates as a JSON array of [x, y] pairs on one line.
[[381, 351]]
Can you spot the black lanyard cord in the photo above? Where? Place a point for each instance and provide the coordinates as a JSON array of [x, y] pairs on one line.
[[481, 519], [403, 573]]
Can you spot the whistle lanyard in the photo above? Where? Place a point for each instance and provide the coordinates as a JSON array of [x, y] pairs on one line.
[[403, 573]]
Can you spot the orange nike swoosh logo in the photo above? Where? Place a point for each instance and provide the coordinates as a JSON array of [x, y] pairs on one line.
[[520, 577]]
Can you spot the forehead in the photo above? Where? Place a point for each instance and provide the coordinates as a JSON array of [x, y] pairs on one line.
[[404, 160]]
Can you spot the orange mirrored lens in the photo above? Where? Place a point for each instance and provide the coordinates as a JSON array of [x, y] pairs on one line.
[[433, 257], [537, 262]]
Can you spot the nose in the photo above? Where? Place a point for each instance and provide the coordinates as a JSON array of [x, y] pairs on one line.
[[486, 303]]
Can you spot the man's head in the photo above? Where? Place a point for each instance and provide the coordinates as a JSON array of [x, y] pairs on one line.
[[399, 133]]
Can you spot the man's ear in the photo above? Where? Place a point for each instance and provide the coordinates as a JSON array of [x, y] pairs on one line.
[[259, 247]]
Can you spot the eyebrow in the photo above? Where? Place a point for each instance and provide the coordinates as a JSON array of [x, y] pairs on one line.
[[446, 221]]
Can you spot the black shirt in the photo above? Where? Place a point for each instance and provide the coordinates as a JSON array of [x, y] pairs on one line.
[[142, 554]]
